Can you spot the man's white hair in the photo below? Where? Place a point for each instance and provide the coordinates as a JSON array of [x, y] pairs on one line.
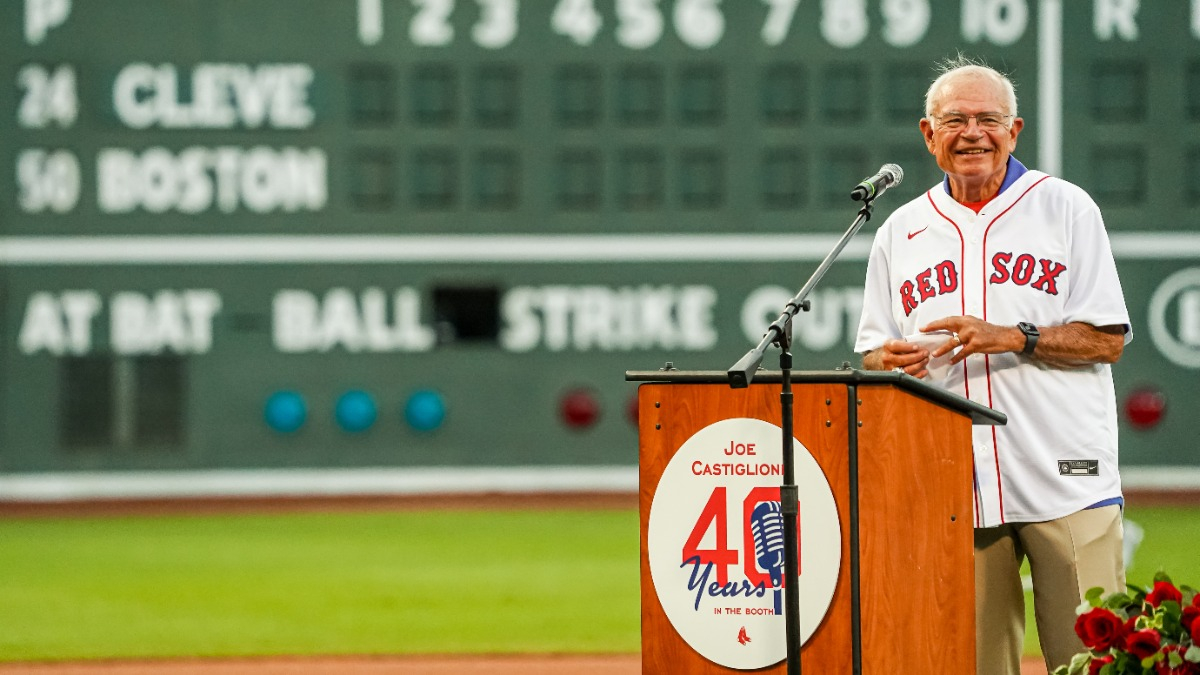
[[965, 67]]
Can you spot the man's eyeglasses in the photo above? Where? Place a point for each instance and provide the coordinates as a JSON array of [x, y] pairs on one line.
[[988, 121]]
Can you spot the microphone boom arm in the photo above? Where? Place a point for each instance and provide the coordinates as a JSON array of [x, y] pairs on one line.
[[742, 372], [780, 332]]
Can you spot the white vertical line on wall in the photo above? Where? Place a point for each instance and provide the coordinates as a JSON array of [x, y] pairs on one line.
[[370, 21], [1049, 122]]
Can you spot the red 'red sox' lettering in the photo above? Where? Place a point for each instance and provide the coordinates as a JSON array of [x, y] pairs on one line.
[[1021, 271], [944, 273], [943, 278]]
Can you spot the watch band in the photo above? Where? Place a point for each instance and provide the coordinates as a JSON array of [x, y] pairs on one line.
[[1031, 337]]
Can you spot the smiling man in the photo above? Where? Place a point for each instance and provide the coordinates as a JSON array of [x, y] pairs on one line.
[[999, 284]]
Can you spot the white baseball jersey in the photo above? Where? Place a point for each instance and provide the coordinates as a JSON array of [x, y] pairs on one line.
[[1037, 252]]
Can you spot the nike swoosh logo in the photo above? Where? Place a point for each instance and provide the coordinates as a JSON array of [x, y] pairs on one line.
[[913, 234]]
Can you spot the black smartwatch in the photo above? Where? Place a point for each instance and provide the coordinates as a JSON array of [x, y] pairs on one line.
[[1031, 337]]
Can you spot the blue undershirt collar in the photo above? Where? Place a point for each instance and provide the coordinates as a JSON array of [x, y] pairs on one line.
[[1012, 172]]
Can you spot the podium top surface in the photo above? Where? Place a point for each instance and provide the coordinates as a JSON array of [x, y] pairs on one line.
[[979, 414]]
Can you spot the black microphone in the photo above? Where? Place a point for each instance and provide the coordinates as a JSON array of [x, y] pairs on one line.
[[889, 175], [766, 526]]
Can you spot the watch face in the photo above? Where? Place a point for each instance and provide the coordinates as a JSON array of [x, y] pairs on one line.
[[1028, 328]]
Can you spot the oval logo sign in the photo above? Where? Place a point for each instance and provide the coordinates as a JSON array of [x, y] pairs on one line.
[[715, 540]]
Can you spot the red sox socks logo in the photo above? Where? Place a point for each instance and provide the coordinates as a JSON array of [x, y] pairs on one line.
[[943, 278]]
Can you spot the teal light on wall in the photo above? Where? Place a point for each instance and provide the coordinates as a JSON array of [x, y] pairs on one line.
[[285, 411], [355, 411], [425, 410]]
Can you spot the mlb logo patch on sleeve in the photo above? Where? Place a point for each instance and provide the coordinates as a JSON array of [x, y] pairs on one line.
[[1079, 467]]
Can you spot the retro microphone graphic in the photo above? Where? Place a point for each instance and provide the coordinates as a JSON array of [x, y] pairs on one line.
[[766, 526]]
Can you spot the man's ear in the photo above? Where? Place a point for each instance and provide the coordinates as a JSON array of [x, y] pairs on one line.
[[1015, 130], [927, 132]]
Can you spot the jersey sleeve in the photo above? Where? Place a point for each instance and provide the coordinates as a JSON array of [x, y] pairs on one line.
[[876, 325], [1096, 296]]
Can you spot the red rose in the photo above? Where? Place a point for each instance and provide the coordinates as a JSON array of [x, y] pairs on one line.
[[1189, 615], [1096, 664], [1196, 632], [1143, 643], [1099, 628], [1163, 590]]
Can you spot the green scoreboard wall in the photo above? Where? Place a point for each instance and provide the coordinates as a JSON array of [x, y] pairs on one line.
[[339, 233]]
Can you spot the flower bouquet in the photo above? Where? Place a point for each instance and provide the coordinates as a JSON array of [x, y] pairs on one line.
[[1139, 632]]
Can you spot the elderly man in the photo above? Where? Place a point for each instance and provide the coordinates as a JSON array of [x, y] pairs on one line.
[[999, 285]]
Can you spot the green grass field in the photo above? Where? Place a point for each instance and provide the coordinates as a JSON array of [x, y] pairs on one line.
[[338, 583]]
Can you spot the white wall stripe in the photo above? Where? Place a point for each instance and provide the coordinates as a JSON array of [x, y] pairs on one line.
[[391, 481], [418, 249], [254, 250], [44, 487], [1049, 119]]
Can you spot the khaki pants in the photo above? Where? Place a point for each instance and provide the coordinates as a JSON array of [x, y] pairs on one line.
[[1067, 557]]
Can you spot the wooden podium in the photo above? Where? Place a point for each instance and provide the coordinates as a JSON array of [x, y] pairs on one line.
[[896, 453]]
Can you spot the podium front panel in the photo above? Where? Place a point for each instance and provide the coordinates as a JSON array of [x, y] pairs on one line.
[[671, 414], [908, 507]]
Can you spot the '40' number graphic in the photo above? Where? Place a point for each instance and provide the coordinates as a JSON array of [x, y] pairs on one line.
[[762, 533]]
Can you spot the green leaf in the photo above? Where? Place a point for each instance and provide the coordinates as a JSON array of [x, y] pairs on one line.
[[1078, 666], [1192, 654], [1093, 595], [1170, 621], [1161, 575], [1174, 659], [1118, 601], [1123, 661]]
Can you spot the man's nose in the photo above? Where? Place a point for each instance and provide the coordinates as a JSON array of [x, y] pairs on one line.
[[972, 130]]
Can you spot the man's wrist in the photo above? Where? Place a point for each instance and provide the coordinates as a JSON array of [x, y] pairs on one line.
[[1030, 336]]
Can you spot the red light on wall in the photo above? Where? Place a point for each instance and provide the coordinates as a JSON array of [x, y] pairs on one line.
[[631, 410], [579, 408], [1144, 408]]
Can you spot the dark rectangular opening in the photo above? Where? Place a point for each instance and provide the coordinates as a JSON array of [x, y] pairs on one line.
[[372, 179], [86, 402], [372, 90], [466, 314], [114, 403], [159, 400]]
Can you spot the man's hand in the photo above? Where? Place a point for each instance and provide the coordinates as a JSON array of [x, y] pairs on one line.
[[913, 359], [976, 336]]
